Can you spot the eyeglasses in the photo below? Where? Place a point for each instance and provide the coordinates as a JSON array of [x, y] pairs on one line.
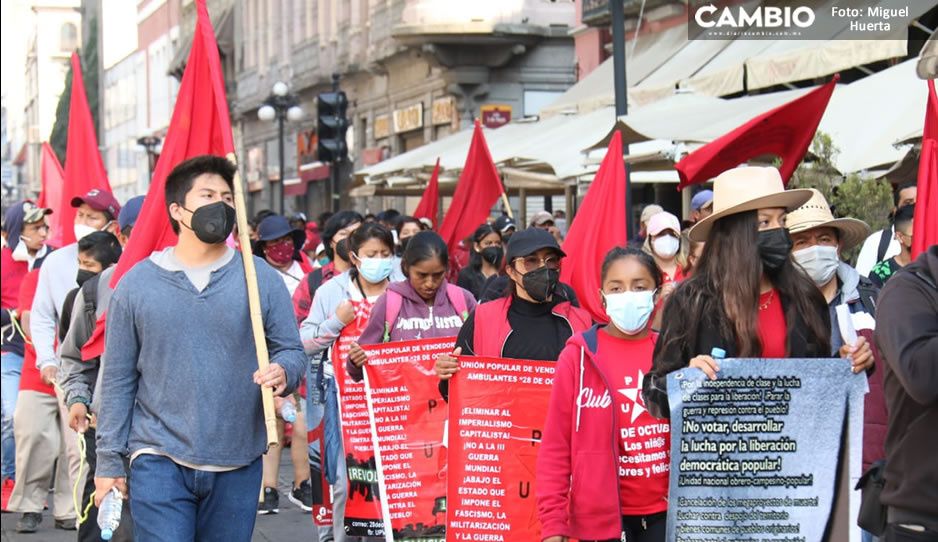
[[533, 262]]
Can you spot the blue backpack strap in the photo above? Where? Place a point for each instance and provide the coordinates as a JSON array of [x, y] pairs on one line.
[[392, 308], [457, 299]]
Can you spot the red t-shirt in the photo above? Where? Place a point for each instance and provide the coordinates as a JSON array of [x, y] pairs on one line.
[[30, 379], [773, 331], [644, 441]]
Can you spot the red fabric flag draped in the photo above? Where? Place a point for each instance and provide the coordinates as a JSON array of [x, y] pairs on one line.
[[925, 223], [53, 181], [785, 131], [429, 206], [84, 169], [478, 189], [586, 245], [200, 125]]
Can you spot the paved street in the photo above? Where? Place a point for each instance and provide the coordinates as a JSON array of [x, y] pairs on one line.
[[290, 524]]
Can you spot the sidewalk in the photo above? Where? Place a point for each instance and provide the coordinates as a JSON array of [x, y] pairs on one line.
[[290, 524]]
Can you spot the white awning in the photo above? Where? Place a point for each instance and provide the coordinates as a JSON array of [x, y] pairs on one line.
[[597, 89], [866, 118]]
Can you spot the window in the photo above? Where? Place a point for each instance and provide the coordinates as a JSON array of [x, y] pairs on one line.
[[68, 37]]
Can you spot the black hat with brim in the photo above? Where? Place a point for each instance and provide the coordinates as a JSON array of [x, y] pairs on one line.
[[527, 242]]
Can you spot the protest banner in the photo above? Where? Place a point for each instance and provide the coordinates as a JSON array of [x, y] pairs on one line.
[[408, 418], [755, 454], [497, 409], [363, 506]]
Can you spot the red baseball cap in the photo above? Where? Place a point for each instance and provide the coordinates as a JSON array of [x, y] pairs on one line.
[[99, 200]]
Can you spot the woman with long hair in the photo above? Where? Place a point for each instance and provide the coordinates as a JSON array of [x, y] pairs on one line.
[[485, 259], [746, 296]]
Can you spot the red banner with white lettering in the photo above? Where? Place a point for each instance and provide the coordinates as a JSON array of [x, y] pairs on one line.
[[409, 417], [363, 506], [497, 409]]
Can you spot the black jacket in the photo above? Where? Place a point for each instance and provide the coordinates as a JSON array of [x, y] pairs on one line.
[[907, 337], [670, 355]]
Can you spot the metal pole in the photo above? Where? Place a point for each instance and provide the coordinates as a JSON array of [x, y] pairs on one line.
[[281, 113], [617, 12]]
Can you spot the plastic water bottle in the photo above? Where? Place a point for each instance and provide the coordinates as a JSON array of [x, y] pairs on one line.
[[718, 353], [109, 513], [288, 412]]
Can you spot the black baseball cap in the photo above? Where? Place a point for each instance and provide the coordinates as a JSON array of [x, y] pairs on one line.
[[529, 241], [503, 223]]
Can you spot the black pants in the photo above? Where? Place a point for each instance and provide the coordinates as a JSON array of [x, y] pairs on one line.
[[896, 533], [89, 531], [651, 528]]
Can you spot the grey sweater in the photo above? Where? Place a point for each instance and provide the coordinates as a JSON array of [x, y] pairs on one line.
[[179, 366]]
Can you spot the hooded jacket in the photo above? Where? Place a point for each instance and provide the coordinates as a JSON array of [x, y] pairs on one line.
[[416, 319], [13, 271], [577, 465], [907, 337]]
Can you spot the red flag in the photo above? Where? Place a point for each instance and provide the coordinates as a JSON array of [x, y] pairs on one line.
[[429, 206], [586, 245], [84, 169], [200, 125], [53, 180], [925, 223], [477, 190], [785, 131]]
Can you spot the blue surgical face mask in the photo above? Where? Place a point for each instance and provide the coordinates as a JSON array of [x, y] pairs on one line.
[[324, 261], [375, 270], [629, 311]]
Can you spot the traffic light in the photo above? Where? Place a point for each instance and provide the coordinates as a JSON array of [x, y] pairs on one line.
[[331, 126]]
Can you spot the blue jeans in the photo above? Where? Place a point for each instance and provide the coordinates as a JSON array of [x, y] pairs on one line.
[[172, 502], [11, 365]]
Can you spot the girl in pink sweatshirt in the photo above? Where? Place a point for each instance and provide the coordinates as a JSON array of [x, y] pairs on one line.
[[602, 470]]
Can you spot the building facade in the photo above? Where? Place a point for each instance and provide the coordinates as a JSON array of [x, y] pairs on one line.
[[414, 71], [55, 33]]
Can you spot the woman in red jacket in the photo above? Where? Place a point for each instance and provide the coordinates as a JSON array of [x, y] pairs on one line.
[[602, 470]]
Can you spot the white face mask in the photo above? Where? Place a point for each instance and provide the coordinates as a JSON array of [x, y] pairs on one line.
[[819, 262], [82, 231], [666, 246], [629, 311]]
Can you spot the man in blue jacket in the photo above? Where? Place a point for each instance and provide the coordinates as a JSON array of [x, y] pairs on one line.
[[179, 391]]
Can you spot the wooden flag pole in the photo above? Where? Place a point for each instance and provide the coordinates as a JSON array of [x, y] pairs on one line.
[[507, 205], [254, 304]]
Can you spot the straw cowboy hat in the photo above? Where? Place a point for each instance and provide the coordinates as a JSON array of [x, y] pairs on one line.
[[817, 214], [748, 189]]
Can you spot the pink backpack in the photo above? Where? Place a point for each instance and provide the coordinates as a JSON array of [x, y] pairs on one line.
[[394, 300]]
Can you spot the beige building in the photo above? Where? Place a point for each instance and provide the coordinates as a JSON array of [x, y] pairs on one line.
[[54, 33], [414, 71]]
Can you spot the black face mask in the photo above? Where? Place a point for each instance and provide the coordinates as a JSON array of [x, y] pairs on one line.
[[774, 248], [83, 276], [213, 223], [341, 250], [493, 255], [540, 283]]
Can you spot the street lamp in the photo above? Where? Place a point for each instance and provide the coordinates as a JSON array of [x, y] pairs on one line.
[[150, 143], [281, 106]]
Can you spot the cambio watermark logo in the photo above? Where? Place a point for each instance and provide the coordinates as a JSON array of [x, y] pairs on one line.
[[796, 20], [759, 17]]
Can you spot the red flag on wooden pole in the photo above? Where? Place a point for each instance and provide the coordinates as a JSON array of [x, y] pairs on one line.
[[925, 222], [53, 182], [200, 125], [785, 131], [586, 244], [84, 169], [477, 190], [429, 206]]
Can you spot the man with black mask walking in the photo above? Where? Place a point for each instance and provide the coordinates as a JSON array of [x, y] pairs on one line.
[[182, 401]]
